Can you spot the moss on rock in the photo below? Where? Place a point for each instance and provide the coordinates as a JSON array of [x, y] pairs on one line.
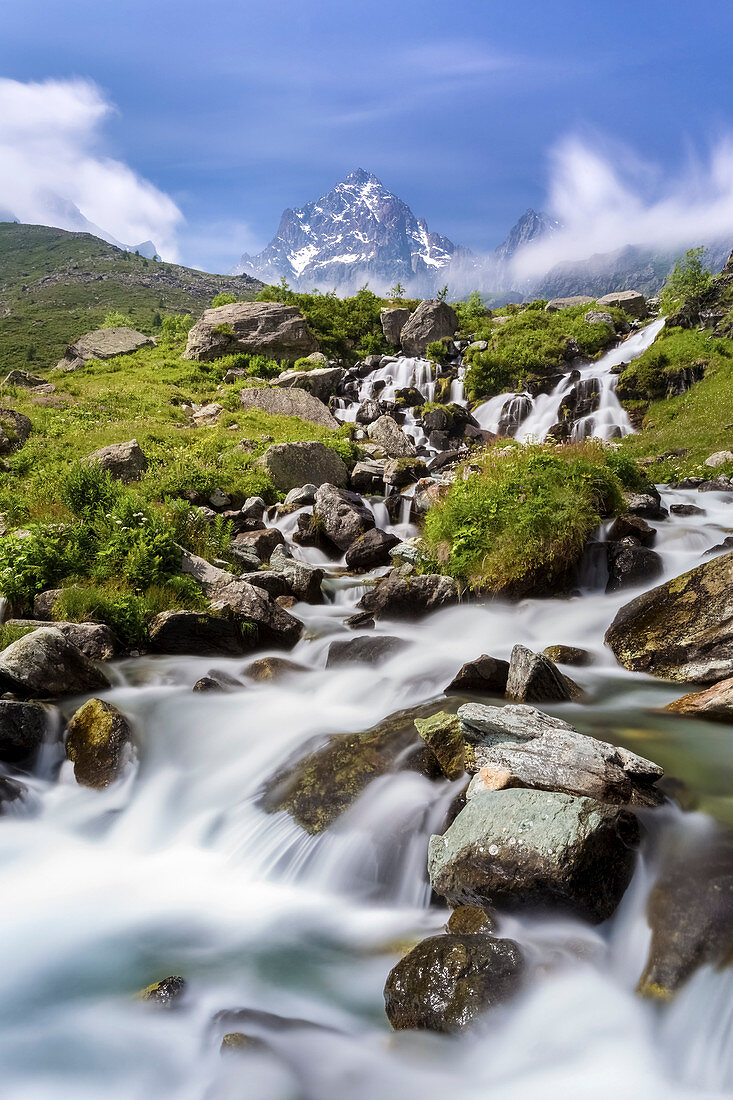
[[98, 743]]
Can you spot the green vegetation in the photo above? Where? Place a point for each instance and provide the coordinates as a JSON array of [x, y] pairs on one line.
[[115, 319], [347, 328], [223, 299], [687, 284], [675, 351], [531, 343], [517, 518]]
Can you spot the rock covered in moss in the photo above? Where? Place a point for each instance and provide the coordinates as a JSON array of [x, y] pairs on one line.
[[95, 640], [448, 981], [441, 732], [568, 655], [165, 993], [45, 664], [682, 629], [98, 743], [272, 668]]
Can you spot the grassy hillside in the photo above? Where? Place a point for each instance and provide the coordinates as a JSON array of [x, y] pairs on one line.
[[55, 285]]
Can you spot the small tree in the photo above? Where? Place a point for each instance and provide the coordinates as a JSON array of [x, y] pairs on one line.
[[115, 319], [397, 292], [687, 283], [442, 294], [223, 299]]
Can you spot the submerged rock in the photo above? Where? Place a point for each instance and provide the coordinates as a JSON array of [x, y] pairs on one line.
[[165, 993], [446, 982], [630, 565], [536, 850], [368, 650], [98, 743], [46, 665], [272, 668]]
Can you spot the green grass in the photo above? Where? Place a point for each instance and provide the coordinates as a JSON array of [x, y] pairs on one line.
[[517, 518]]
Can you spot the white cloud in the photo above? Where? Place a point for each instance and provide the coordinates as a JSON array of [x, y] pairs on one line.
[[53, 173], [607, 200]]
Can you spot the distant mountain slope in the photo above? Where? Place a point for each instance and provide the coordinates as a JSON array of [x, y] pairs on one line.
[[532, 226], [356, 233], [56, 285]]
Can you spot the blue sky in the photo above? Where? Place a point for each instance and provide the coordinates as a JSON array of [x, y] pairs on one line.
[[236, 110]]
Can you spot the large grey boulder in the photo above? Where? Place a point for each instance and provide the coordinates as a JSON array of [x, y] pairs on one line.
[[432, 320], [446, 982], [532, 749], [46, 665], [291, 465], [387, 434], [393, 321], [341, 516], [536, 850], [124, 461], [398, 597], [95, 640], [263, 328], [322, 382], [631, 302], [556, 304], [304, 580], [195, 633], [682, 629], [104, 343], [534, 678], [288, 403]]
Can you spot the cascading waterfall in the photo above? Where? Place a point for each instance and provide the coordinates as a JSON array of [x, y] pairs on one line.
[[178, 869]]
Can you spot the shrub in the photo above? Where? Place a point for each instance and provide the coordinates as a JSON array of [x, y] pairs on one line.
[[88, 488], [223, 299], [436, 351], [115, 319], [174, 326], [127, 613], [687, 282], [675, 349]]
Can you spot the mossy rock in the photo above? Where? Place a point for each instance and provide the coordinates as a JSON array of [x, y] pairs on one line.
[[236, 1042], [441, 732], [468, 920], [98, 743], [164, 993]]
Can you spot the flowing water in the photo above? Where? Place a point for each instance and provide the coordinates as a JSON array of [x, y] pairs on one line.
[[176, 870]]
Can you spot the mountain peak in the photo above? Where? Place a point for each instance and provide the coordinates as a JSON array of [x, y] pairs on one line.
[[360, 176]]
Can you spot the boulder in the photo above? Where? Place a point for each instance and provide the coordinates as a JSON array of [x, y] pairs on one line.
[[528, 849], [291, 465], [95, 640], [393, 321], [533, 678], [15, 429], [632, 302], [98, 743], [399, 472], [432, 320], [370, 550], [599, 317], [104, 343], [632, 526], [364, 650], [272, 582], [681, 630], [369, 411], [272, 668], [23, 379], [409, 597], [368, 476], [46, 665], [303, 579], [124, 461], [341, 516], [645, 504], [442, 734], [206, 415], [486, 676], [556, 304], [467, 920], [448, 981], [630, 565], [302, 496], [539, 751], [321, 383], [715, 702], [291, 402], [388, 435], [568, 655], [720, 458], [22, 730], [261, 542], [197, 634], [261, 328]]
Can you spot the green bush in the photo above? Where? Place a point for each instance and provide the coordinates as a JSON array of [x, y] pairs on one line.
[[87, 488], [174, 326], [346, 328], [128, 613], [115, 319], [223, 299], [687, 283], [437, 352]]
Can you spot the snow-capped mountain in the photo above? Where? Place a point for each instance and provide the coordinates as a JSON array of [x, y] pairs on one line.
[[530, 227], [356, 233]]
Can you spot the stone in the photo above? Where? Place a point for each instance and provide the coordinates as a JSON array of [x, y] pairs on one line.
[[681, 630], [98, 743], [715, 702], [23, 379], [165, 993], [599, 317], [204, 415], [216, 680], [370, 550], [45, 602], [632, 302], [467, 920], [369, 411], [635, 526], [15, 428], [341, 516], [368, 476], [369, 650], [95, 640], [409, 597], [486, 676], [291, 465], [441, 732], [321, 383], [46, 665], [432, 320], [304, 580], [536, 750], [254, 508], [447, 982], [568, 655], [720, 458], [123, 461], [533, 678], [197, 634], [399, 472], [279, 402], [303, 496], [262, 542], [395, 443], [11, 791], [556, 304], [260, 328], [536, 850], [631, 565], [393, 321], [22, 730], [104, 343], [686, 510], [270, 581], [646, 505], [272, 668]]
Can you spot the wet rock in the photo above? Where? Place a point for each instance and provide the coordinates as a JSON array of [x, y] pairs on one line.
[[690, 913], [533, 678], [533, 849], [686, 510], [399, 472], [288, 403], [370, 550], [272, 668], [216, 680], [197, 634], [273, 583], [387, 433], [536, 750], [485, 676], [291, 465], [369, 651], [304, 580], [393, 321], [369, 411], [630, 565], [647, 505], [95, 640], [123, 461], [447, 982], [254, 508], [368, 477], [98, 743], [22, 730], [303, 496], [165, 993], [432, 320], [46, 665], [261, 542], [726, 544], [341, 515], [236, 1042], [441, 732], [467, 920], [409, 597], [361, 621], [717, 485], [568, 655], [715, 702], [263, 328], [681, 630], [635, 526], [409, 397], [11, 791]]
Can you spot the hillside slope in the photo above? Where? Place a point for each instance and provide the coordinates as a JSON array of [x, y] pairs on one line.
[[55, 285]]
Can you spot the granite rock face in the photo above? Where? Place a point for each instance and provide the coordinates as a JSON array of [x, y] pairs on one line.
[[104, 343], [263, 328]]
